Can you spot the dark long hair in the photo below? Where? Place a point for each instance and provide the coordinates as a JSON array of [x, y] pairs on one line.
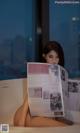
[[54, 45]]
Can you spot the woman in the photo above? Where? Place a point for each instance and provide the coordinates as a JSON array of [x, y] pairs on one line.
[[53, 54]]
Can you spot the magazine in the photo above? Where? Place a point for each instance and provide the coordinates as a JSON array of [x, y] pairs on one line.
[[51, 93]]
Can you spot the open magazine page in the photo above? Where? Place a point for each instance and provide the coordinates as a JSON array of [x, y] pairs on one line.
[[44, 90], [74, 100]]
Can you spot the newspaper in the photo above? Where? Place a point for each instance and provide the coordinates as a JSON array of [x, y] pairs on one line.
[[51, 93], [74, 100], [47, 90]]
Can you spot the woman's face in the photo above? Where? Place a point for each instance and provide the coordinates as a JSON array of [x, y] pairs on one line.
[[52, 57]]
